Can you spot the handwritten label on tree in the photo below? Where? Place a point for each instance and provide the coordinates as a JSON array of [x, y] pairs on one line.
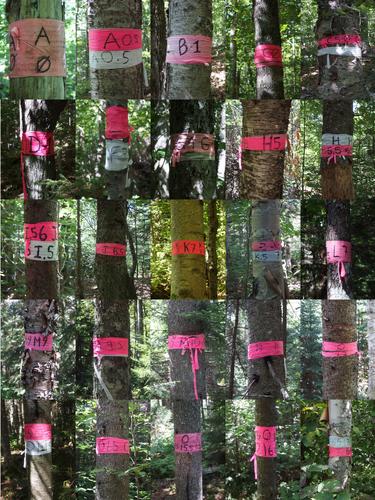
[[340, 252], [38, 143], [110, 346], [273, 142], [191, 142], [263, 349], [41, 241], [268, 55], [116, 155], [38, 342], [188, 443], [339, 349], [188, 247], [38, 439], [115, 48], [265, 441], [37, 48], [112, 445], [111, 249], [189, 49]]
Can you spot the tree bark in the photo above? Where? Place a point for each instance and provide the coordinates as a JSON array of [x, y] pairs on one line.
[[371, 348], [159, 49], [343, 77], [212, 249], [266, 415], [41, 116], [233, 350], [263, 171], [188, 279], [267, 31], [340, 423], [336, 175], [340, 374], [43, 87], [116, 83], [194, 176], [79, 277], [189, 81], [338, 228], [5, 443]]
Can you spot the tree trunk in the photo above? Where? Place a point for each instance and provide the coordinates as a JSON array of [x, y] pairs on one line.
[[44, 86], [40, 116], [159, 49], [338, 229], [266, 415], [371, 348], [117, 162], [340, 76], [336, 171], [79, 277], [188, 279], [340, 423], [5, 443], [233, 350], [263, 171], [113, 280], [339, 373], [267, 31], [268, 276], [195, 173], [189, 81], [212, 249], [124, 83]]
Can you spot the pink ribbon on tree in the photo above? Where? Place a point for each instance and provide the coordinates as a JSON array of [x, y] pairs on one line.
[[111, 249], [188, 443], [254, 459], [195, 344], [191, 142], [265, 445], [40, 231], [258, 350], [113, 39], [112, 445], [268, 55], [339, 349], [340, 40], [189, 49], [110, 346], [340, 452], [36, 432], [117, 123], [266, 246], [188, 247], [38, 342], [332, 152], [339, 251]]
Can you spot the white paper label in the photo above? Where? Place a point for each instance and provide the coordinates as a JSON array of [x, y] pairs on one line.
[[340, 442], [337, 140], [339, 50], [269, 256], [115, 59], [38, 447], [117, 155], [42, 250]]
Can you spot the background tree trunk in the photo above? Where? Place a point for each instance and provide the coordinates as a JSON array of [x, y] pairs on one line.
[[45, 87], [339, 373], [371, 348], [159, 49], [189, 81], [233, 340], [5, 443], [41, 116], [116, 83], [263, 171], [267, 31], [196, 177], [340, 423], [266, 415], [212, 248], [336, 178], [188, 278]]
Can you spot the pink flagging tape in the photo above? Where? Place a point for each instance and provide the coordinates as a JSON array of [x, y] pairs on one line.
[[188, 443], [258, 350], [189, 49], [339, 349], [333, 152], [35, 143], [274, 142], [265, 441], [188, 247], [117, 123], [38, 342], [111, 249], [112, 445], [254, 459], [42, 232], [340, 452], [36, 432], [110, 346], [113, 39], [266, 246], [191, 142], [340, 40], [339, 251], [37, 48], [195, 344], [268, 55]]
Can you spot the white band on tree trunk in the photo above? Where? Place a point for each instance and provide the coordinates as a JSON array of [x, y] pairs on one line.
[[337, 140], [115, 59], [269, 256], [117, 154], [340, 442], [340, 50], [38, 447], [42, 250]]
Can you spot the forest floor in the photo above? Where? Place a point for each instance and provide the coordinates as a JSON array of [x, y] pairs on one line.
[[165, 489]]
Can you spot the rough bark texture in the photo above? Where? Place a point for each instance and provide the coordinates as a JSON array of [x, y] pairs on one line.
[[266, 375], [266, 415], [188, 279], [197, 177], [112, 420], [263, 171], [267, 31], [340, 374], [344, 79], [159, 49], [212, 249], [187, 419], [268, 279], [5, 443], [113, 280], [233, 342], [185, 318], [116, 83], [42, 116], [189, 81], [371, 348], [46, 87], [336, 178], [338, 228], [340, 424], [41, 277]]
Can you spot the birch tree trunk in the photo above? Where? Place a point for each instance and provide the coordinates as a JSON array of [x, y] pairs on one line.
[[124, 83], [37, 87], [340, 424], [189, 17], [371, 348]]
